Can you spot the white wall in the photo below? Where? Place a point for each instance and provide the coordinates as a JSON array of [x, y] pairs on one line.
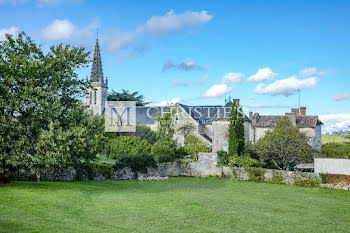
[[332, 166]]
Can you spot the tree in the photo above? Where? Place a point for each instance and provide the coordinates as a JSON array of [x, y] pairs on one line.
[[186, 129], [284, 145], [125, 95], [166, 124], [236, 132], [39, 94]]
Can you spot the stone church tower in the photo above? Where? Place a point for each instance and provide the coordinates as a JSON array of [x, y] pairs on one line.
[[96, 94]]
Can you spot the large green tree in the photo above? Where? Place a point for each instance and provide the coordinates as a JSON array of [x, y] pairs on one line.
[[284, 145], [236, 131], [125, 95], [41, 115]]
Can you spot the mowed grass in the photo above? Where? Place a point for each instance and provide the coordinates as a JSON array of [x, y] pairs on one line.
[[174, 205]]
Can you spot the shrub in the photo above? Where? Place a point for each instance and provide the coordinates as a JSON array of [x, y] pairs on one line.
[[250, 150], [127, 145], [194, 145], [164, 151], [224, 158], [276, 178], [336, 150], [242, 161], [324, 178], [137, 163], [90, 170], [307, 182], [256, 174], [144, 132], [180, 152]]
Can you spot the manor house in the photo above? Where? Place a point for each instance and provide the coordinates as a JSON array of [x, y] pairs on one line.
[[211, 122]]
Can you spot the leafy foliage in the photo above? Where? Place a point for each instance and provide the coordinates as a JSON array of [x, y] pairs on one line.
[[276, 178], [166, 125], [284, 145], [164, 151], [144, 132], [242, 161], [324, 178], [194, 145], [137, 163], [186, 129], [336, 150], [236, 132], [256, 174], [39, 94], [127, 145], [307, 182], [125, 95]]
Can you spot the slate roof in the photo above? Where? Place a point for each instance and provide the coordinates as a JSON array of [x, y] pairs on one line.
[[142, 117], [301, 121], [209, 113], [96, 70]]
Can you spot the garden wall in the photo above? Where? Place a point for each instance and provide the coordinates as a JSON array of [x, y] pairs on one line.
[[207, 165], [332, 166]]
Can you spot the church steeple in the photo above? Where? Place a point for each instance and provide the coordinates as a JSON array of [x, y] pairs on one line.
[[96, 70]]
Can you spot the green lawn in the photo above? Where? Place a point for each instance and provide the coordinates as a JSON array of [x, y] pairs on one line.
[[174, 205]]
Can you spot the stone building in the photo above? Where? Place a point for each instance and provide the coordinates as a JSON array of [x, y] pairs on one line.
[[211, 122]]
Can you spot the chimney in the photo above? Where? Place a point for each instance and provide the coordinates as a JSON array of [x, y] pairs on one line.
[[251, 116], [303, 111], [236, 102], [295, 111]]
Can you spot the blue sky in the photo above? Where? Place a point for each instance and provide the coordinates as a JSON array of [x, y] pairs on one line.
[[201, 52]]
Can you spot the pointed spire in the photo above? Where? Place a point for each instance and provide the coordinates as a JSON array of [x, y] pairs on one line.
[[96, 70]]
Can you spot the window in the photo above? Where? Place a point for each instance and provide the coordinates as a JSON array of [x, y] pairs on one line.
[[90, 98], [95, 97]]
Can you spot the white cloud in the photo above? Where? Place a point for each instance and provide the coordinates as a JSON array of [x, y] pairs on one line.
[[335, 122], [217, 90], [186, 65], [64, 30], [168, 102], [59, 30], [172, 22], [311, 72], [231, 77], [121, 40], [12, 30], [157, 26], [182, 82], [340, 97], [263, 74], [286, 86]]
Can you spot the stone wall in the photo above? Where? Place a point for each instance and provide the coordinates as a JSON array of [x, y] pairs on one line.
[[207, 165]]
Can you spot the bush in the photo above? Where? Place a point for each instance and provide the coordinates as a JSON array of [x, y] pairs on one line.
[[251, 151], [137, 163], [340, 150], [180, 152], [164, 151], [194, 145], [324, 178], [127, 145], [307, 182], [93, 169], [276, 178], [144, 132], [224, 158], [256, 174], [242, 161]]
